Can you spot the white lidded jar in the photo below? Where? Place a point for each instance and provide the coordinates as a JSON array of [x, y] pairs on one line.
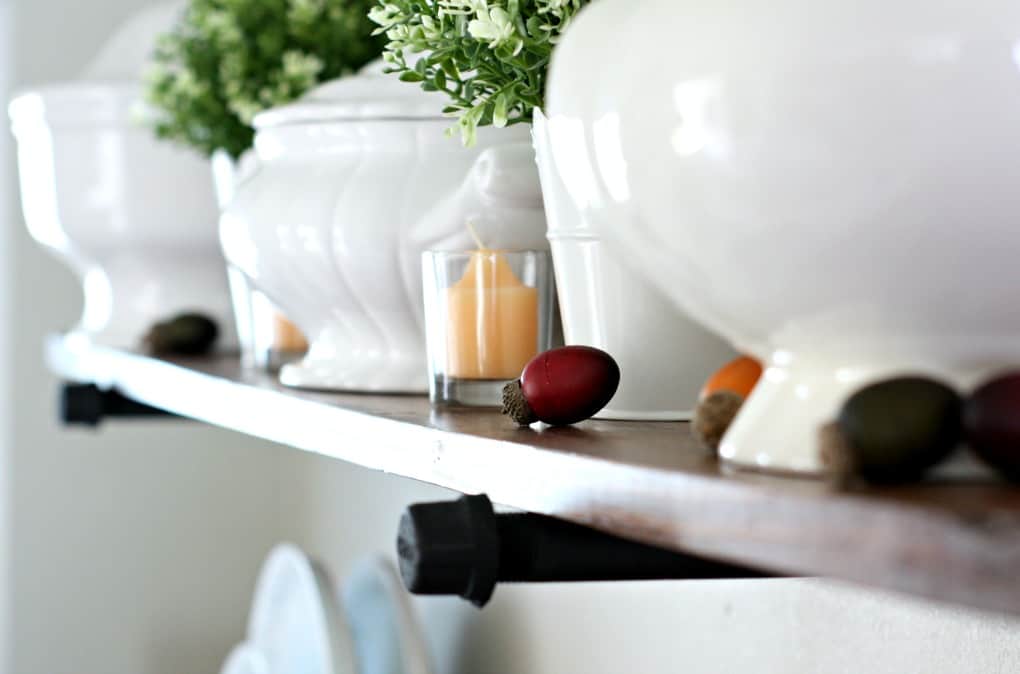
[[354, 182], [134, 217]]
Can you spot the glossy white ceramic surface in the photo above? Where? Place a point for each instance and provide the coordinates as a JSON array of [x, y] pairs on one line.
[[833, 187], [135, 218], [332, 225], [664, 356]]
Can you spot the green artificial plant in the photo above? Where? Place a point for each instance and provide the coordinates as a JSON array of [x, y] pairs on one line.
[[227, 60], [488, 56]]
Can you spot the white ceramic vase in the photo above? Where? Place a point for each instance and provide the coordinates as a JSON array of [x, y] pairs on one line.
[[832, 187], [134, 217], [354, 182], [664, 356]]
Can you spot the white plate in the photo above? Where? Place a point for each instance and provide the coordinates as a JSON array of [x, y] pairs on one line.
[[245, 659], [386, 632], [296, 622]]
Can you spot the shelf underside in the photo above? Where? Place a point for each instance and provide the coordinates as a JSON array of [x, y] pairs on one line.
[[954, 541]]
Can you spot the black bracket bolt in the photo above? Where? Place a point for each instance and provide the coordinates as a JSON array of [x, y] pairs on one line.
[[464, 548], [88, 405]]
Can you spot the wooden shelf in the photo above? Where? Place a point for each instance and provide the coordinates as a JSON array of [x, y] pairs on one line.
[[953, 541]]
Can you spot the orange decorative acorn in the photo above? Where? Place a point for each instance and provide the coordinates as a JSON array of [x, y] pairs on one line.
[[739, 376], [721, 398]]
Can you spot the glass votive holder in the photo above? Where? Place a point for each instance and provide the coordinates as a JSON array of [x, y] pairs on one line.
[[487, 313], [268, 340]]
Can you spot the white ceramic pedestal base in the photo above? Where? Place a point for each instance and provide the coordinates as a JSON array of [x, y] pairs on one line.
[[331, 366], [131, 290], [777, 428]]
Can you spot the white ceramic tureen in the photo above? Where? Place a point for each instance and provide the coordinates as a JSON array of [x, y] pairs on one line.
[[134, 217], [832, 186], [353, 183]]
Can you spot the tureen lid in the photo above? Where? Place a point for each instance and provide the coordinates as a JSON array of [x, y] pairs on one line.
[[370, 94], [109, 90], [78, 104]]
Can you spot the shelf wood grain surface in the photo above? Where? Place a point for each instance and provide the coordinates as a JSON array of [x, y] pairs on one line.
[[951, 540]]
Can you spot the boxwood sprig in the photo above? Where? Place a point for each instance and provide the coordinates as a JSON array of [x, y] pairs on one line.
[[488, 56], [227, 60]]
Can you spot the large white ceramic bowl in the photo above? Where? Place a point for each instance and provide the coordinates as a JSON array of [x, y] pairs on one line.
[[832, 186], [353, 183], [133, 216]]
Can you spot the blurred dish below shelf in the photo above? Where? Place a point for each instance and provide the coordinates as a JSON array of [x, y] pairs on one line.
[[387, 635], [245, 659]]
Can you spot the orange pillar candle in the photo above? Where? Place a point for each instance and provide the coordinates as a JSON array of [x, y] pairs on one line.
[[493, 321]]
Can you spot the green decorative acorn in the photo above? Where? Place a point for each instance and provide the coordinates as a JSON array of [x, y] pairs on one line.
[[183, 335], [897, 429]]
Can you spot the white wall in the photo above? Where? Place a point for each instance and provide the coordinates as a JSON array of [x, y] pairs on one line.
[[134, 549], [6, 332]]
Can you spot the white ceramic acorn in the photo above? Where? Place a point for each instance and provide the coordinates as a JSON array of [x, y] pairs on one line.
[[354, 182], [831, 187]]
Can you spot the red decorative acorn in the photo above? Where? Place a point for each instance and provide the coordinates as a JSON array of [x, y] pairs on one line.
[[562, 386], [991, 421]]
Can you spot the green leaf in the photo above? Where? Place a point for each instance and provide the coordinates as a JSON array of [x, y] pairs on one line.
[[450, 68], [499, 110], [534, 26], [411, 76]]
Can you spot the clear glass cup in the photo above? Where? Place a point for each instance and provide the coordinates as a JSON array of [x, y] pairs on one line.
[[487, 313], [268, 340]]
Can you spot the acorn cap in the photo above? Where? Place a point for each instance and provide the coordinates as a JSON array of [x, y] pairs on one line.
[[515, 406], [836, 455], [713, 416]]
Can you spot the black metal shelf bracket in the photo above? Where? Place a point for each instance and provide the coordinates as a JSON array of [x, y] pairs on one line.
[[464, 548], [89, 405]]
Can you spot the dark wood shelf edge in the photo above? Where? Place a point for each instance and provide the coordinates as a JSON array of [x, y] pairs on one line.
[[952, 542]]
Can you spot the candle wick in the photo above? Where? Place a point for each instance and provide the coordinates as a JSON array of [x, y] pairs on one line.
[[474, 235]]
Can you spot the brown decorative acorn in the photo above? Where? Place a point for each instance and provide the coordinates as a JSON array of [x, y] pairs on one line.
[[713, 416]]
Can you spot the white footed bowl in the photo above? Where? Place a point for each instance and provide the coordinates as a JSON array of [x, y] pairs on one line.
[[332, 224], [664, 356], [832, 187], [134, 217]]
